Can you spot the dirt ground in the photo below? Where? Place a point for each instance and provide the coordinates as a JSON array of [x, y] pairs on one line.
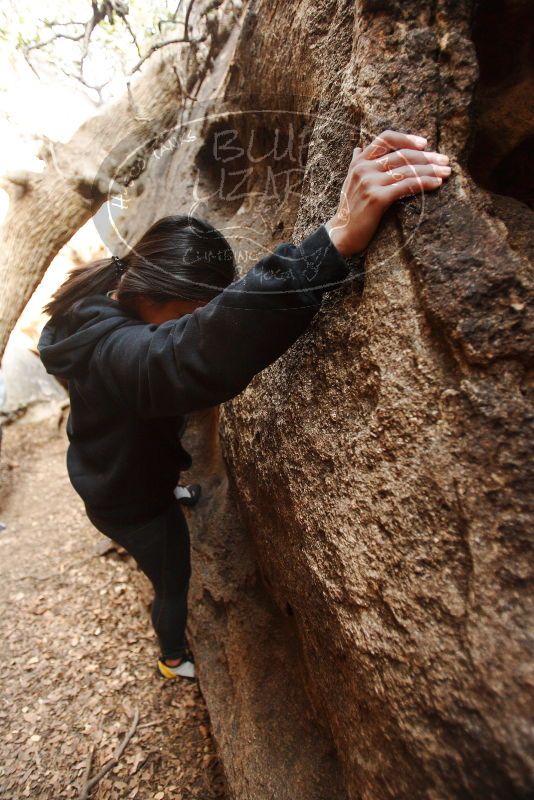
[[78, 654]]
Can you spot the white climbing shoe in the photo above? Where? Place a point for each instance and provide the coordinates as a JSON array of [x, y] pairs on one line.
[[188, 495], [185, 669]]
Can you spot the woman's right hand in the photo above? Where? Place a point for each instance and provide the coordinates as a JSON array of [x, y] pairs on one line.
[[394, 165]]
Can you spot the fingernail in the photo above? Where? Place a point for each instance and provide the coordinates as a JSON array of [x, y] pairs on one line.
[[444, 170], [442, 159], [439, 180], [418, 139]]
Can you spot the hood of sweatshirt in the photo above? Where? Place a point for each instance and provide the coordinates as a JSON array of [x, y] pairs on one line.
[[67, 343]]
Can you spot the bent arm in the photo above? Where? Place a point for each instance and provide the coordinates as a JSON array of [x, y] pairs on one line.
[[209, 356]]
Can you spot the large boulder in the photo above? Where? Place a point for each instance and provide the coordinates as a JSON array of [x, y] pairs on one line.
[[362, 553]]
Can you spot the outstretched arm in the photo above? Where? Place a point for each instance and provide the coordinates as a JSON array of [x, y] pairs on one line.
[[209, 356]]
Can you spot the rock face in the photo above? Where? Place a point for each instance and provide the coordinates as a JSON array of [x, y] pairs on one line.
[[360, 604]]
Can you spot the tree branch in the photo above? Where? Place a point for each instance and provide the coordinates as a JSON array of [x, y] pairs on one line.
[[90, 783], [186, 19], [130, 31], [81, 79], [159, 45], [39, 45]]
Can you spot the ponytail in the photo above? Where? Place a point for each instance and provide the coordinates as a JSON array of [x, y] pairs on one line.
[[98, 277], [179, 257]]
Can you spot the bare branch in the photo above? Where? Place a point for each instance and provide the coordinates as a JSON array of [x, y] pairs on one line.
[[133, 105], [101, 10], [55, 23], [159, 45], [178, 7], [98, 15], [186, 19], [29, 63], [180, 83], [130, 31], [89, 784], [79, 77], [88, 765], [39, 45], [172, 19]]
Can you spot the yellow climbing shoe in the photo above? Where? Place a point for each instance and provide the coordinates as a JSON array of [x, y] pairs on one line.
[[185, 669]]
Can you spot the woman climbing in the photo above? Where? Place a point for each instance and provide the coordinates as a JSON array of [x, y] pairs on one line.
[[167, 330]]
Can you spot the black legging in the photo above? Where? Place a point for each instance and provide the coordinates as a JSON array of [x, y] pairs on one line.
[[161, 549]]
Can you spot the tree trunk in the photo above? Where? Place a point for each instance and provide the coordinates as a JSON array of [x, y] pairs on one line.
[[47, 209]]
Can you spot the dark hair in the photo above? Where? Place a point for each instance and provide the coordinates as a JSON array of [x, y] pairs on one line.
[[179, 257]]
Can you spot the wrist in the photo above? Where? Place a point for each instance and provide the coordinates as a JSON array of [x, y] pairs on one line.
[[336, 232]]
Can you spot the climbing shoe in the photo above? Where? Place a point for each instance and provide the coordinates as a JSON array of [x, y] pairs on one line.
[[188, 495], [185, 669]]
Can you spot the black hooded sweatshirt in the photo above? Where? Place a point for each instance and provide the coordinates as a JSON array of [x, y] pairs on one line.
[[131, 383]]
